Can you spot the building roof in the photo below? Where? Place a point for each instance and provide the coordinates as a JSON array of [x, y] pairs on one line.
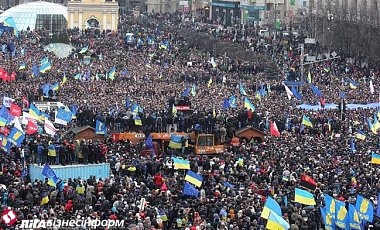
[[80, 129], [25, 15]]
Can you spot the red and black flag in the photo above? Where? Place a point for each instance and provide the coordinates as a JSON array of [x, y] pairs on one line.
[[308, 182]]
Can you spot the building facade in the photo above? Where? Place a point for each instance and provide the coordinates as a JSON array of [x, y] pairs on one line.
[[97, 14]]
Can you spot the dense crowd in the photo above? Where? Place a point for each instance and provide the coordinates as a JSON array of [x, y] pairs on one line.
[[153, 78]]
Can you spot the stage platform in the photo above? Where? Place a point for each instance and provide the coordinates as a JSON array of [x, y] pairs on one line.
[[73, 171]]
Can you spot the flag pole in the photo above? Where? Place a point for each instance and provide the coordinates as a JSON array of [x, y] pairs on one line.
[[371, 174]]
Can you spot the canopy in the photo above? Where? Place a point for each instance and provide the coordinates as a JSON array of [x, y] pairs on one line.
[[61, 50]]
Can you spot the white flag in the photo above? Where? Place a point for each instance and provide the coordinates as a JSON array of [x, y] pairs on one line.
[[371, 88], [16, 123], [49, 127], [288, 92], [7, 101]]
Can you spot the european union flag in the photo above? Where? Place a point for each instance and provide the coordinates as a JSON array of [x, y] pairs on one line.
[[64, 115], [342, 95], [100, 128], [190, 190], [16, 136]]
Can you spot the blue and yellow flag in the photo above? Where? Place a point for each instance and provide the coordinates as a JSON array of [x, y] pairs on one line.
[[83, 50], [353, 84], [330, 206], [3, 121], [16, 136], [242, 90], [45, 67], [11, 23], [303, 197], [306, 121], [100, 128], [365, 208], [248, 105], [138, 121], [209, 82], [353, 218], [276, 222], [375, 159], [328, 221], [270, 206], [341, 216], [45, 199], [112, 73], [176, 141], [34, 112], [232, 102], [371, 126], [194, 178], [360, 135], [179, 163], [22, 66]]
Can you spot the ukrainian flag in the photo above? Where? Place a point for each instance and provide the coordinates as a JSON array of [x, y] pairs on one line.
[[242, 90], [270, 206], [371, 126], [34, 112], [174, 110], [45, 200], [248, 105], [55, 87], [194, 178], [112, 73], [304, 197], [45, 67], [83, 50], [376, 123], [138, 121], [11, 23], [360, 135], [175, 142], [258, 95], [209, 82], [353, 85], [180, 163], [3, 121], [276, 222], [306, 121], [22, 66], [375, 159], [77, 76], [64, 80]]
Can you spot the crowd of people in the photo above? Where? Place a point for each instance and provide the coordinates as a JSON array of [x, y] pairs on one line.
[[152, 73]]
